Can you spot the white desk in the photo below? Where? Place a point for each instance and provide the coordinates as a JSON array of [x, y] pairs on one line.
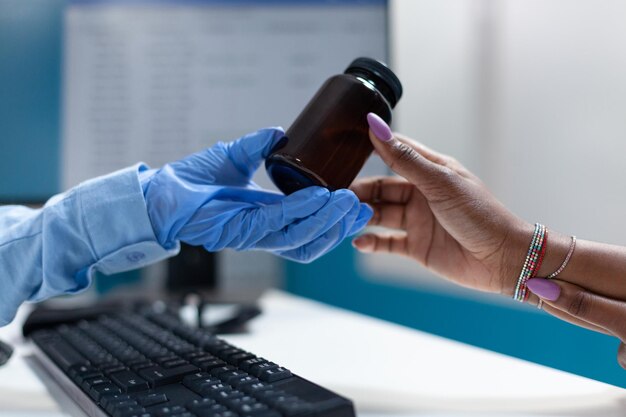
[[386, 369]]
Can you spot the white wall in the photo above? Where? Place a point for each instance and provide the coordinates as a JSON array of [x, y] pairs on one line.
[[560, 118], [530, 94]]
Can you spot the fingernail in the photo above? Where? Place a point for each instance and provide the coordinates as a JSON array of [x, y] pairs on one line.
[[544, 288], [357, 241], [378, 126], [361, 243]]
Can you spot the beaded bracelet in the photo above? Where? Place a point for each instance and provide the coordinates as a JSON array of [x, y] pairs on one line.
[[532, 263], [570, 252]]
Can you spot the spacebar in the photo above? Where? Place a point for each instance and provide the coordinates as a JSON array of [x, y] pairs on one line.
[[157, 375]]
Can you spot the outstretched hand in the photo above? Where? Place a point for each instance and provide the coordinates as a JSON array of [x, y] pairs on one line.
[[443, 216], [209, 199]]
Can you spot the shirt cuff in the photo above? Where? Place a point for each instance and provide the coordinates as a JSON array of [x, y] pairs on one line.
[[116, 219]]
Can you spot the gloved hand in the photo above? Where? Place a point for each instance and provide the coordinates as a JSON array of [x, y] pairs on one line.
[[208, 199]]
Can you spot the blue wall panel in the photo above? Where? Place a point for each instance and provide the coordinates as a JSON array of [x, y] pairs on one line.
[[30, 96]]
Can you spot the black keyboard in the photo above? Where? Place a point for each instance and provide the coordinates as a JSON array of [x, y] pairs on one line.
[[149, 364]]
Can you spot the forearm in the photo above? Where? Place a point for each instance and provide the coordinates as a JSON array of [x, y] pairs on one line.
[[99, 225], [598, 267]]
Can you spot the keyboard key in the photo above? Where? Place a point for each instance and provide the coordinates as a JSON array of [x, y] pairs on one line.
[[166, 358], [241, 382], [151, 399], [158, 376], [64, 355], [237, 358], [208, 365], [114, 405], [213, 344], [215, 410], [107, 399], [271, 395], [231, 375], [222, 396], [273, 375], [174, 363], [200, 385], [248, 363], [128, 411], [251, 409], [237, 404], [129, 381], [97, 391], [168, 411], [199, 357], [90, 382], [222, 369], [194, 354], [258, 368], [194, 377], [226, 353], [213, 390], [138, 366], [203, 403], [257, 387], [77, 370], [113, 369], [81, 372]]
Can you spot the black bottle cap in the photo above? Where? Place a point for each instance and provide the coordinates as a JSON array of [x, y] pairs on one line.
[[380, 75]]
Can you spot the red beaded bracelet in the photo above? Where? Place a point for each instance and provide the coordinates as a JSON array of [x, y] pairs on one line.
[[532, 263]]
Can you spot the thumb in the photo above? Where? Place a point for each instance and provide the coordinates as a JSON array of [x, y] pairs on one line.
[[248, 152], [402, 158], [600, 311]]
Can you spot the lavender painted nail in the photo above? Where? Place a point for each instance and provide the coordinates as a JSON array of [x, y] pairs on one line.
[[544, 288], [378, 126]]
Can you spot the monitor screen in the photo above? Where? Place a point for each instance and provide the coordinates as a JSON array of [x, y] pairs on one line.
[[92, 86], [153, 81]]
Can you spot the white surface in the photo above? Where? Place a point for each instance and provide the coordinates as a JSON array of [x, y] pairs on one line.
[[21, 393], [386, 369]]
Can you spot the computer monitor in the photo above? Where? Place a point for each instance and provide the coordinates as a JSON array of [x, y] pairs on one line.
[[155, 80]]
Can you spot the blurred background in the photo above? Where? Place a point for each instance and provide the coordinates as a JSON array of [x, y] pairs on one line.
[[529, 94]]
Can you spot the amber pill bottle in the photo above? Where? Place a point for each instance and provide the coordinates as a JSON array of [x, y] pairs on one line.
[[328, 144]]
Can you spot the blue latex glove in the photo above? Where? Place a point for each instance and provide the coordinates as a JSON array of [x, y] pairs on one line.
[[208, 199]]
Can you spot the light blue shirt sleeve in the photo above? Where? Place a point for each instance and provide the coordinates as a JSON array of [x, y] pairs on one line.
[[100, 225]]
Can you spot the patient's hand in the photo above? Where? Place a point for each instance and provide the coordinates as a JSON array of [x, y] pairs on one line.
[[443, 215]]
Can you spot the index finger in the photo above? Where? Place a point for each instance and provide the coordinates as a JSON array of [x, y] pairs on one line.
[[402, 157]]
